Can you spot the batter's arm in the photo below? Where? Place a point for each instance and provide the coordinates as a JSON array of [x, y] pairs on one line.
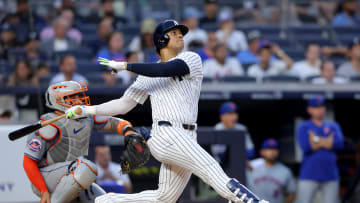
[[114, 107]]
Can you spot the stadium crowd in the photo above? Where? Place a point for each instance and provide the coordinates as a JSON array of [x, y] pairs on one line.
[[319, 44], [314, 42]]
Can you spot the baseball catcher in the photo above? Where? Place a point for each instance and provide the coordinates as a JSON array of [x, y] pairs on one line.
[[53, 159]]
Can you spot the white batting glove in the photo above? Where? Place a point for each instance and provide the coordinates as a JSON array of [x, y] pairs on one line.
[[76, 112], [114, 65]]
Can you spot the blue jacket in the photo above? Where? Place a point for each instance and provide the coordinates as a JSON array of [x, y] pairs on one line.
[[319, 165]]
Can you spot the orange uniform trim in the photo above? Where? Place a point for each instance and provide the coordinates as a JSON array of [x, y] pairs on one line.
[[121, 125], [100, 121], [34, 175], [91, 168], [43, 137]]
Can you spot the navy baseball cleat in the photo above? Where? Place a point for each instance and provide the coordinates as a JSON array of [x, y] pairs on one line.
[[244, 194]]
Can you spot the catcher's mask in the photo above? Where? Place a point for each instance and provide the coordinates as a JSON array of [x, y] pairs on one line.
[[63, 95]]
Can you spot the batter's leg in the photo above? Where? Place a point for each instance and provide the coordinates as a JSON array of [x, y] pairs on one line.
[[187, 153], [172, 181]]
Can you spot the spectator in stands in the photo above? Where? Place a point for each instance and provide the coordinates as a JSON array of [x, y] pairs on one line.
[[346, 14], [114, 50], [208, 51], [249, 12], [235, 40], [311, 65], [144, 44], [23, 75], [65, 5], [352, 67], [126, 76], [109, 78], [319, 139], [195, 34], [5, 116], [73, 33], [229, 120], [23, 17], [67, 71], [43, 70], [108, 171], [103, 32], [107, 9], [8, 40], [210, 16], [222, 65], [307, 12], [270, 179], [250, 56], [328, 76], [32, 51], [266, 66], [59, 42]]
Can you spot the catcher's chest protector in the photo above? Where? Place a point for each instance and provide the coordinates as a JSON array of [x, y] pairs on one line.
[[72, 142]]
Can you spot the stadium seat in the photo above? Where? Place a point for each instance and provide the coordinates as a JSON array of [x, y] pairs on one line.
[[355, 79], [95, 79], [6, 67], [347, 32], [281, 78], [87, 28], [207, 80], [44, 81], [267, 31], [237, 79], [16, 54], [80, 53], [88, 66]]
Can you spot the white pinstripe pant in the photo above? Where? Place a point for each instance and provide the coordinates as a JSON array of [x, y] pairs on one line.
[[181, 156]]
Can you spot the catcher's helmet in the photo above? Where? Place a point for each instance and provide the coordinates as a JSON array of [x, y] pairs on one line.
[[63, 95], [160, 37]]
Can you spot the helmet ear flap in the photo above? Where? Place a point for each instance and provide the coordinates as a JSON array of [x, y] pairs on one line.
[[163, 40]]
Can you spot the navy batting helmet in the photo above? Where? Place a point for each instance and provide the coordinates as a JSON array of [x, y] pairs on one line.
[[160, 37]]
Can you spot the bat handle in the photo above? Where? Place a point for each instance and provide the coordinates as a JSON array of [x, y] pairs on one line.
[[45, 123]]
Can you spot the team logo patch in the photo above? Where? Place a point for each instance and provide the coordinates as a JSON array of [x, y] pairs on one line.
[[35, 145]]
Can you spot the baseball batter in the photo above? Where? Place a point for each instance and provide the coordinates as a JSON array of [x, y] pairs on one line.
[[173, 86], [53, 159]]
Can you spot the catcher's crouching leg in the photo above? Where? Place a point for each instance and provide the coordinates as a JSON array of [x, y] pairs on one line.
[[82, 173], [89, 195]]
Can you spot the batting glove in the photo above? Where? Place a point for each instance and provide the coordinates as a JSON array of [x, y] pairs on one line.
[[75, 113], [114, 65]]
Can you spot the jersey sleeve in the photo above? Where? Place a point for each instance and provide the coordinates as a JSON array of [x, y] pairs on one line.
[[100, 122], [35, 147], [138, 91], [193, 61]]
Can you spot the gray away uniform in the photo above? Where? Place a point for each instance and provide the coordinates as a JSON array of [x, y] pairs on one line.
[[59, 149]]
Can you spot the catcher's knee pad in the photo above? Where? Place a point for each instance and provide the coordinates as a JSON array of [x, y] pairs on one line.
[[82, 173]]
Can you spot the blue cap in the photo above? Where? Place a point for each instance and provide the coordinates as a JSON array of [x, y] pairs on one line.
[[270, 143], [264, 44], [227, 107], [316, 101]]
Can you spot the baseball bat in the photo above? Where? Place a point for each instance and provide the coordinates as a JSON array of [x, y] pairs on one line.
[[14, 135]]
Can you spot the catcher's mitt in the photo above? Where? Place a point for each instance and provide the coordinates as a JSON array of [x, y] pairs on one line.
[[136, 152]]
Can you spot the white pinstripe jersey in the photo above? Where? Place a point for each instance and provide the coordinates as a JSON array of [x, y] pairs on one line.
[[172, 98]]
